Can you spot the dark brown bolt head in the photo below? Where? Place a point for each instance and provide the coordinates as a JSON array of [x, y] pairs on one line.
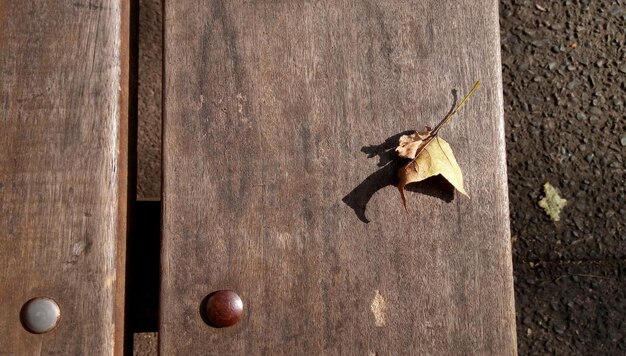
[[223, 308]]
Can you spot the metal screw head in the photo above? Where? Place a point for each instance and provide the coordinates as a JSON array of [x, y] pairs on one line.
[[222, 309], [40, 315]]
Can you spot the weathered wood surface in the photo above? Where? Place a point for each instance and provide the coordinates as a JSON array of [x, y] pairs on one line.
[[273, 111], [63, 172]]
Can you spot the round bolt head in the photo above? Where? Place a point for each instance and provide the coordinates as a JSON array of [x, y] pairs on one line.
[[40, 315], [223, 308]]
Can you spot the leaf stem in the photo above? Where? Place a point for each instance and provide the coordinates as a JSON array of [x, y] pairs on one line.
[[435, 131]]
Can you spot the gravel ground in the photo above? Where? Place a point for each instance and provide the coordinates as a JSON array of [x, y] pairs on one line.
[[564, 73]]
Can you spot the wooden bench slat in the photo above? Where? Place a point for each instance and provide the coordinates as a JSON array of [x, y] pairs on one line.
[[267, 108], [63, 172]]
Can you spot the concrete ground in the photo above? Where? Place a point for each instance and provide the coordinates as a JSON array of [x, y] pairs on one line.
[[564, 73]]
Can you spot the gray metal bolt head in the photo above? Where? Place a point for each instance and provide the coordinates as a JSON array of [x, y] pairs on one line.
[[40, 315]]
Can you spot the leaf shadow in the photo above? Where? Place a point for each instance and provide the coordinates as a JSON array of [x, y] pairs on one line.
[[387, 175]]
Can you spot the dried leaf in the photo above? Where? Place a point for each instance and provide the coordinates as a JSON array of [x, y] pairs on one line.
[[436, 158], [552, 203], [410, 143], [430, 158]]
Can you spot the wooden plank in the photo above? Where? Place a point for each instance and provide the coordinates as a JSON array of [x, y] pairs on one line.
[[270, 108], [63, 172]]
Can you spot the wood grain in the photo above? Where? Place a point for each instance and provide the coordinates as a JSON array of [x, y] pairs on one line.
[[63, 172], [279, 183]]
